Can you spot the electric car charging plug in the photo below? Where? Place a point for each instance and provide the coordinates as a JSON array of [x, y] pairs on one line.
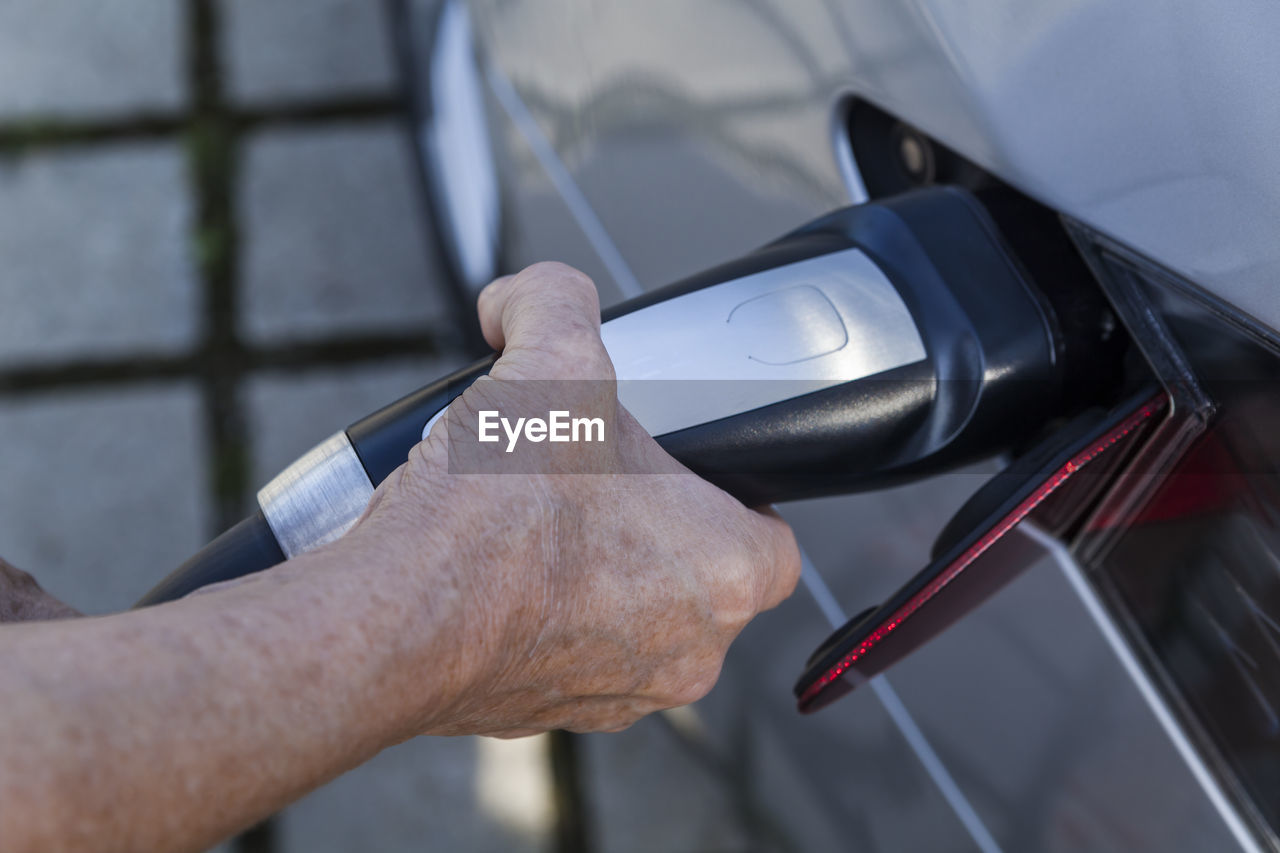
[[879, 344]]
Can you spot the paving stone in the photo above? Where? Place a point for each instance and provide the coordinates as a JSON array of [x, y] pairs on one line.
[[87, 58], [103, 493], [275, 50], [95, 248], [289, 413], [646, 792], [465, 794], [336, 238]]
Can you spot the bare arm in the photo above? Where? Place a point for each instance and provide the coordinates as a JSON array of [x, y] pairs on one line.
[[459, 604], [170, 728]]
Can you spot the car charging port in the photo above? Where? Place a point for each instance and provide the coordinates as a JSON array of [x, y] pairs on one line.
[[1106, 403], [892, 156]]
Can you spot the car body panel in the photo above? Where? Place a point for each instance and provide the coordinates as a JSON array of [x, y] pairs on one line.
[[1151, 122], [698, 131]]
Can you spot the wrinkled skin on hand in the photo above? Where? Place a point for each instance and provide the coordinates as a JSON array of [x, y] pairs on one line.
[[22, 599], [575, 601], [499, 604]]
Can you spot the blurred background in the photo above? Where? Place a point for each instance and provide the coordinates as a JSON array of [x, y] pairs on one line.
[[218, 245]]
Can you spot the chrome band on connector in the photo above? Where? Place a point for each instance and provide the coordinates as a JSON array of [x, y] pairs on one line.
[[317, 498]]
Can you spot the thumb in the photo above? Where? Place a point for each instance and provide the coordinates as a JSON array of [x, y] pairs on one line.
[[546, 321]]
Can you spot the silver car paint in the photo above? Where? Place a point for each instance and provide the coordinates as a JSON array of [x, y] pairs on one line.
[[1154, 122], [697, 130]]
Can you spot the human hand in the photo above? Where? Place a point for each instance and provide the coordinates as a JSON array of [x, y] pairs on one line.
[[559, 599]]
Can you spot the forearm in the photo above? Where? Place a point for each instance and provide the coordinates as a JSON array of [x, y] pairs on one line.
[[172, 727], [458, 605]]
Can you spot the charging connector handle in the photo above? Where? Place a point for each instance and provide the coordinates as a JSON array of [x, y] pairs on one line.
[[878, 344]]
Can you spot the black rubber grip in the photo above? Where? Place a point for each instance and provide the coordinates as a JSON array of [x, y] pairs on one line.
[[248, 547], [383, 440]]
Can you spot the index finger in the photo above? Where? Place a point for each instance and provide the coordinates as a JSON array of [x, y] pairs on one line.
[[550, 312]]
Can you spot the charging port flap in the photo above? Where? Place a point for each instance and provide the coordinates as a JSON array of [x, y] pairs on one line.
[[1055, 484]]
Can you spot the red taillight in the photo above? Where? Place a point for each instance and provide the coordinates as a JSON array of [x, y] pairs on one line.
[[824, 684]]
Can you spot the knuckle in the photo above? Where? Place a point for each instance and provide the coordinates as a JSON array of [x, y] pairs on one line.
[[618, 727], [691, 678], [591, 361], [612, 719], [738, 599], [556, 280], [775, 561], [572, 330], [573, 350], [699, 685], [557, 311], [560, 273], [489, 292], [551, 279], [788, 561]]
